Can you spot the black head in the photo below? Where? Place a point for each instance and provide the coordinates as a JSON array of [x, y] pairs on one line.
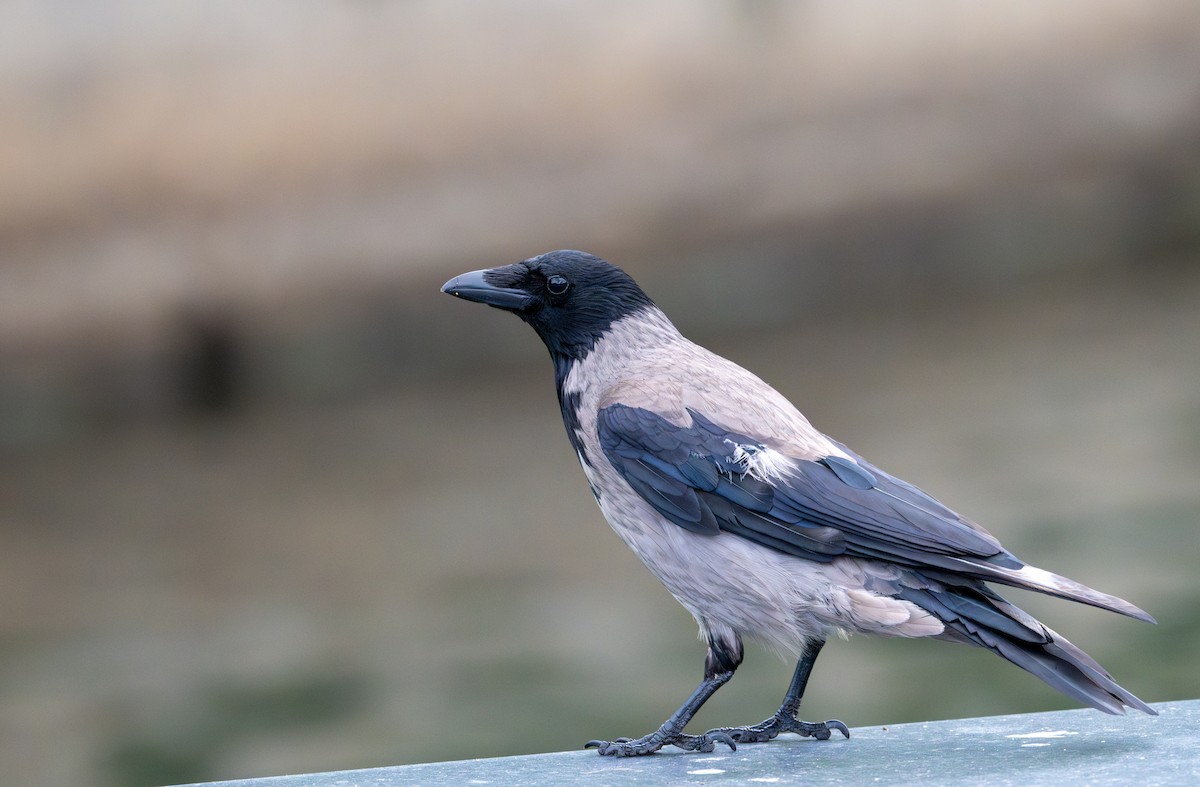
[[569, 297]]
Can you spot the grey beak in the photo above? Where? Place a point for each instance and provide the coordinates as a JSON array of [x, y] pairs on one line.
[[474, 287]]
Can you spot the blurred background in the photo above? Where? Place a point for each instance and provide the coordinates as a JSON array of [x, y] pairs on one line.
[[270, 503]]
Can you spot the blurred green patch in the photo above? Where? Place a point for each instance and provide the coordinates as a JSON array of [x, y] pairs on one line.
[[187, 748]]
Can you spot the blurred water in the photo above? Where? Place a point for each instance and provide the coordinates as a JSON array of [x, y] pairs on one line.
[[424, 575]]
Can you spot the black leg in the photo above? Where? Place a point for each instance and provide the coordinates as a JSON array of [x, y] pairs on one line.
[[785, 719], [719, 665]]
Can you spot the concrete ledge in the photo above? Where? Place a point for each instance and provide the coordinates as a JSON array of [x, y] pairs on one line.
[[1059, 748]]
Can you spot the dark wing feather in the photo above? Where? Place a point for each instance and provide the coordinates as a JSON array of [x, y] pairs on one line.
[[696, 477]]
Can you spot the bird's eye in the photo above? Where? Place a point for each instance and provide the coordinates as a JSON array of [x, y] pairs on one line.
[[557, 285]]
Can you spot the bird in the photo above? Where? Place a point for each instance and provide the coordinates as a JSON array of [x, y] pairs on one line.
[[765, 529]]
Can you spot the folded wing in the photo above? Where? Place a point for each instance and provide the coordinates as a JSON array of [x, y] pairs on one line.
[[709, 480]]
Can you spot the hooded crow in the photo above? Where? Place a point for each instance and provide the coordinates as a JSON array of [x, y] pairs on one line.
[[761, 526]]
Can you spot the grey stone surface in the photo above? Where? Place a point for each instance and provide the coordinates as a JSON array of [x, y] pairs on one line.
[[1061, 747]]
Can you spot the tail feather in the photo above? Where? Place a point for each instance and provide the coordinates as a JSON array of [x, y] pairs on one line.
[[1042, 581], [976, 615], [1064, 650]]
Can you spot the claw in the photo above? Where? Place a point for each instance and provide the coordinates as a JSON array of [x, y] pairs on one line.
[[703, 743], [723, 738], [819, 730], [834, 724]]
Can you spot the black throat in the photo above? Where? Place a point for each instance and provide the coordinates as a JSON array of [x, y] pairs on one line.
[[569, 403]]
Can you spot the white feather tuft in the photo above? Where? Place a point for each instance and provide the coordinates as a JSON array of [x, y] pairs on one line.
[[760, 462]]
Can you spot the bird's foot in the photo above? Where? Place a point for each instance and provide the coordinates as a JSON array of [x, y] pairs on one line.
[[637, 747], [781, 722]]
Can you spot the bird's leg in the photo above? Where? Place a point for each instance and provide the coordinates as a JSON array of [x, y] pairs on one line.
[[719, 665], [785, 719]]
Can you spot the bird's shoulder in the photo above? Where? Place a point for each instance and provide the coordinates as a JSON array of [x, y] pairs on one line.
[[691, 379]]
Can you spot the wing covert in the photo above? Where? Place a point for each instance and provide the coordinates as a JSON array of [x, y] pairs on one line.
[[701, 477]]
